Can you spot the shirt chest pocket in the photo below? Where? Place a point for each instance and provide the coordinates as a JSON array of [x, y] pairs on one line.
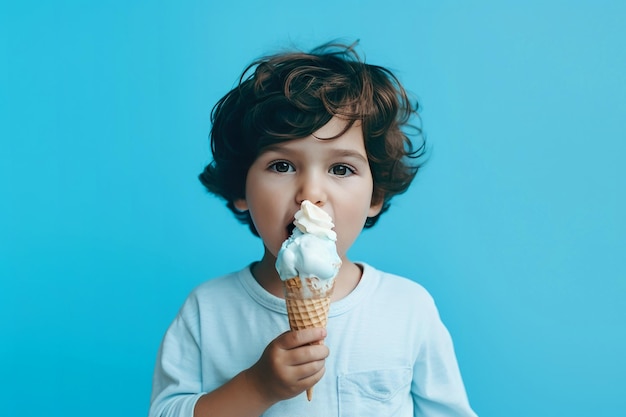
[[383, 392]]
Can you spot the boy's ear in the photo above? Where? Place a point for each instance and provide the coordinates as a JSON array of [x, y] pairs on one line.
[[375, 208], [241, 204]]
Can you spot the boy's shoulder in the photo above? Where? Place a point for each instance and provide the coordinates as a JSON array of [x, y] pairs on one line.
[[391, 284], [219, 296], [394, 295]]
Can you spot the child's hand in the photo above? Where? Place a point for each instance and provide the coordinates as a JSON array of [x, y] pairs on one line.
[[290, 364]]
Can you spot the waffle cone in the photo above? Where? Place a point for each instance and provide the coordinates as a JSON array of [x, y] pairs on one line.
[[307, 306]]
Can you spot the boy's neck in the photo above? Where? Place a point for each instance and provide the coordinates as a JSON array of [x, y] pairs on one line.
[[266, 275]]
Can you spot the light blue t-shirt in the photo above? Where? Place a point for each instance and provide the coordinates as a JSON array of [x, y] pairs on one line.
[[390, 354]]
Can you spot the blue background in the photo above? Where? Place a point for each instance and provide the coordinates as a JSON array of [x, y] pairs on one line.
[[516, 225]]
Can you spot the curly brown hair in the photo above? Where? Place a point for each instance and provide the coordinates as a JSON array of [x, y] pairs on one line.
[[291, 95]]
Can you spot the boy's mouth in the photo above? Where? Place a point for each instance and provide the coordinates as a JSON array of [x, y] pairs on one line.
[[290, 228]]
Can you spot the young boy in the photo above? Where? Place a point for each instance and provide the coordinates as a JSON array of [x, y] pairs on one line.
[[328, 128]]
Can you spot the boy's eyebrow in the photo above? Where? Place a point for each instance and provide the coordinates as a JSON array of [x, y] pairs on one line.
[[351, 153], [342, 152]]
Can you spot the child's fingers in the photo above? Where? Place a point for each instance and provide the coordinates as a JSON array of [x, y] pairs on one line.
[[307, 354], [291, 363], [297, 338], [309, 374]]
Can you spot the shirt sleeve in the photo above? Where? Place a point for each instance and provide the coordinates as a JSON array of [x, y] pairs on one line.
[[177, 383], [437, 386]]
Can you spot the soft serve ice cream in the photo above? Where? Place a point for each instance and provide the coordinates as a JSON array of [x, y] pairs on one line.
[[311, 251]]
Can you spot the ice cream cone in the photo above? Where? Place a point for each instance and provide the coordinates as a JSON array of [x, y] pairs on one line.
[[307, 306], [308, 263]]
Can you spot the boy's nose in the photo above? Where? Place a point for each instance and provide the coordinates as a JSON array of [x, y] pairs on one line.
[[311, 189]]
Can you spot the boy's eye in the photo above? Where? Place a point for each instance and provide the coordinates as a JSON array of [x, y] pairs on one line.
[[341, 170], [281, 166]]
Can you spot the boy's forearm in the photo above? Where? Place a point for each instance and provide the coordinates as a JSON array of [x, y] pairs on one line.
[[238, 397]]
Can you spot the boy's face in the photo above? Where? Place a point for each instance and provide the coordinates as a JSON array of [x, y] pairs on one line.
[[332, 173]]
